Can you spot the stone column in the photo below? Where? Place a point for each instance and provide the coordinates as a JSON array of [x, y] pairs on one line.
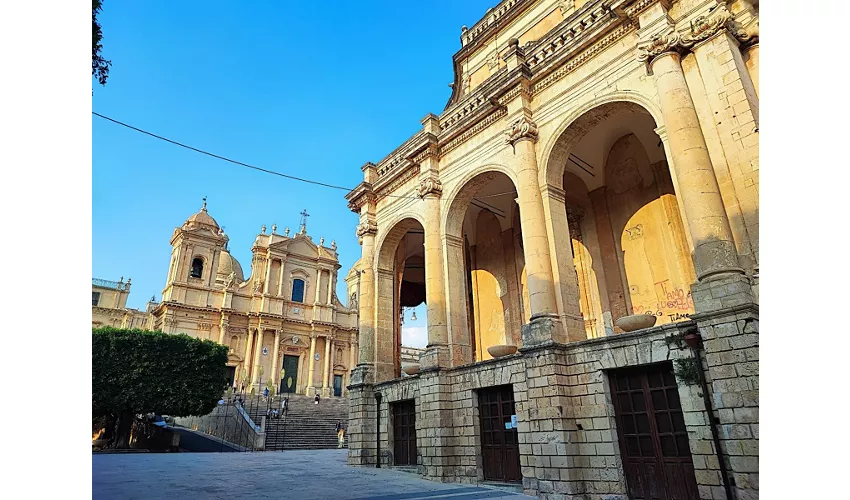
[[330, 288], [318, 285], [326, 366], [715, 254], [544, 324], [366, 232], [222, 329], [280, 281], [268, 273], [567, 293], [330, 370], [257, 356], [247, 362], [462, 352], [430, 190], [310, 389], [274, 373]]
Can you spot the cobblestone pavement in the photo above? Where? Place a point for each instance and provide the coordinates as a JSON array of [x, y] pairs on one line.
[[297, 475]]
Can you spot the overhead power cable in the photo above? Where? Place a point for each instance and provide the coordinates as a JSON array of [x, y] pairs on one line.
[[272, 172]]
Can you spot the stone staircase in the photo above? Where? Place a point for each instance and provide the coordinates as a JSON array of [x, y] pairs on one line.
[[306, 426]]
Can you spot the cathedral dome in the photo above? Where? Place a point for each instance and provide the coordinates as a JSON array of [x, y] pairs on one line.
[[228, 264], [202, 218]]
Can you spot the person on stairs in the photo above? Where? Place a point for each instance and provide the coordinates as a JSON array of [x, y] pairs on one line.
[[283, 405], [317, 398], [340, 434]]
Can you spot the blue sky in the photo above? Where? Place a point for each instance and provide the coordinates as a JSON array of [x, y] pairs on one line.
[[305, 88]]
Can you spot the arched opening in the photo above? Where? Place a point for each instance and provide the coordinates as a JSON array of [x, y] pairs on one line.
[[401, 295], [484, 217], [197, 268], [630, 249], [297, 290]]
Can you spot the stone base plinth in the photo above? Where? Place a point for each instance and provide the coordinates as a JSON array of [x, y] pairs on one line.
[[543, 329]]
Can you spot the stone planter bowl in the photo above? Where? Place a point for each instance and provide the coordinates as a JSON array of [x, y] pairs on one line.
[[501, 350], [636, 322], [411, 369]]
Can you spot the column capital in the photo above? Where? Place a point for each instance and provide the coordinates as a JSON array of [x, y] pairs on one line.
[[717, 20], [429, 186], [661, 132], [553, 192], [367, 227], [521, 129]]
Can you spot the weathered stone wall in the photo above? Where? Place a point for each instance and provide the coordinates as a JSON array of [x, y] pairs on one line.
[[567, 432]]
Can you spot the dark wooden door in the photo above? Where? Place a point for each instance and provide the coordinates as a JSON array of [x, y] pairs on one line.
[[404, 432], [337, 385], [230, 373], [289, 374], [653, 440], [499, 445]]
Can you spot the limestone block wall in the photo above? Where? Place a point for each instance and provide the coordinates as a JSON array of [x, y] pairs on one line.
[[393, 393], [567, 429]]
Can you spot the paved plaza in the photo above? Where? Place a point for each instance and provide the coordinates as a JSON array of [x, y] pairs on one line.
[[301, 475]]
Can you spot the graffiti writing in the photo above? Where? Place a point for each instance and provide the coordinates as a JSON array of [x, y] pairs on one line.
[[678, 316]]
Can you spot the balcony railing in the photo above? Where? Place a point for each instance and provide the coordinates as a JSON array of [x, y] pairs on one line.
[[113, 285]]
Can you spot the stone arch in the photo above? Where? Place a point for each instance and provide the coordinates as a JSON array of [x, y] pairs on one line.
[[389, 293], [462, 193], [582, 120], [388, 241]]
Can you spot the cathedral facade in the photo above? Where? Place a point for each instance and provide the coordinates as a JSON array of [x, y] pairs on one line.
[[581, 222], [284, 325]]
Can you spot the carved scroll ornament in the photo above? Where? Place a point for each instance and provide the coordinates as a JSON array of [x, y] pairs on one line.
[[702, 28], [523, 128], [365, 228], [428, 186]]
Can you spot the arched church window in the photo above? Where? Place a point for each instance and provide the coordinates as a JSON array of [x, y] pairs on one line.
[[197, 267], [297, 290]]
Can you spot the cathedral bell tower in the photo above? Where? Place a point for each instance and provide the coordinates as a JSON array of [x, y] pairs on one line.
[[196, 249]]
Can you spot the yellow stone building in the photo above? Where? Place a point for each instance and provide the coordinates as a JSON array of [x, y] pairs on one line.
[[595, 168], [284, 323], [109, 306]]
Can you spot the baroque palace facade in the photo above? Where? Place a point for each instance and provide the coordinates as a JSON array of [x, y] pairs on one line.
[[585, 209], [285, 318]]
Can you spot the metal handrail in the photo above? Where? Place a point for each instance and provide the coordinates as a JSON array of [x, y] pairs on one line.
[[114, 285]]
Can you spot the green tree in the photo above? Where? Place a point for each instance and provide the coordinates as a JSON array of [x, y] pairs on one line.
[[137, 372], [99, 65]]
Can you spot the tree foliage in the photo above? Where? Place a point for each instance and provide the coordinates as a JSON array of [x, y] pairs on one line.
[[99, 65], [138, 372]]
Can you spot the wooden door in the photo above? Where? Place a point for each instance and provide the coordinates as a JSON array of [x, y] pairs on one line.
[[289, 374], [404, 432], [499, 445], [337, 385], [653, 440]]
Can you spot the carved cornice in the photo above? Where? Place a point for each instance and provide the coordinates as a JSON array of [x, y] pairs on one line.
[[522, 129], [400, 179], [429, 186], [431, 150], [360, 196], [475, 129]]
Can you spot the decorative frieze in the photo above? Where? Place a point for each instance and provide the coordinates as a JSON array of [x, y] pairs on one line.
[[522, 129]]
